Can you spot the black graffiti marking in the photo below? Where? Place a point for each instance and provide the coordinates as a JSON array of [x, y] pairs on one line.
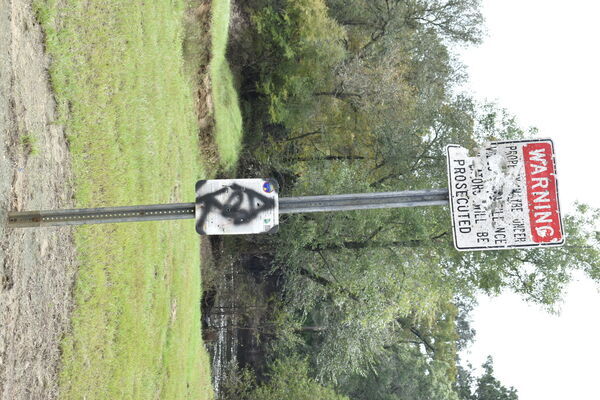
[[232, 207]]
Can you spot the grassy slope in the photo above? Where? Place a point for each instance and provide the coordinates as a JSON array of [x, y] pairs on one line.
[[228, 117], [117, 73]]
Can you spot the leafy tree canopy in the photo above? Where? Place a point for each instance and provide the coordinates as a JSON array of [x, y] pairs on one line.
[[484, 387]]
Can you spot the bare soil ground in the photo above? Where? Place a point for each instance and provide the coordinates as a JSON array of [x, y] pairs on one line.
[[197, 46], [36, 265]]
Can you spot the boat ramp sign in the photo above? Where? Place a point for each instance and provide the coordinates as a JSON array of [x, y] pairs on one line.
[[504, 197]]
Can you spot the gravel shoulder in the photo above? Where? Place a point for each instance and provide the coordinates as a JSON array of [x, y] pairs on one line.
[[37, 266]]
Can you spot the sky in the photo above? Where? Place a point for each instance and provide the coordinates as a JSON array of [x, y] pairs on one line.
[[541, 61]]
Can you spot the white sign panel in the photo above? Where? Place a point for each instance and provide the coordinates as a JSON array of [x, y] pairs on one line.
[[504, 197], [237, 206]]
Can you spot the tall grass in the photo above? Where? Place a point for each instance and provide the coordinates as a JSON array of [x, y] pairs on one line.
[[129, 111], [228, 117]]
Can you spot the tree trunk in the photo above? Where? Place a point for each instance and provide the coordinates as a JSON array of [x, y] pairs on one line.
[[312, 329], [317, 132], [356, 245], [329, 158], [327, 283], [406, 323], [338, 95]]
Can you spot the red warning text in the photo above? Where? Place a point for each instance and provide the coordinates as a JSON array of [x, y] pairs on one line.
[[542, 195]]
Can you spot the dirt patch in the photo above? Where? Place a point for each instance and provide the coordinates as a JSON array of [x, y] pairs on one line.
[[196, 46], [36, 265]]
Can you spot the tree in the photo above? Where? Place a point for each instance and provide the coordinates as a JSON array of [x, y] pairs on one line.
[[358, 294], [484, 387], [464, 331], [372, 22], [296, 44], [289, 380], [362, 275], [489, 388], [403, 373], [370, 107], [539, 275]]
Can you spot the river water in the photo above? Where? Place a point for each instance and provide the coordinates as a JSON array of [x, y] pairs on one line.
[[223, 320]]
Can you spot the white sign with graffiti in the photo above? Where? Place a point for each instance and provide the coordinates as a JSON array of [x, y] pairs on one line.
[[237, 206]]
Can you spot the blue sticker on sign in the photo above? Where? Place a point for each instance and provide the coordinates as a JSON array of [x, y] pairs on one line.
[[267, 187]]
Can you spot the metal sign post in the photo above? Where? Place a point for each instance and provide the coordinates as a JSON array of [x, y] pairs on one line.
[[81, 216], [505, 197], [229, 205]]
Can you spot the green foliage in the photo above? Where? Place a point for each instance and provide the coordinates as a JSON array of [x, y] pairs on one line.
[[484, 387], [403, 373], [355, 274], [297, 44], [29, 144], [583, 240], [540, 275], [489, 388], [289, 380], [361, 96], [375, 21], [238, 384], [227, 114]]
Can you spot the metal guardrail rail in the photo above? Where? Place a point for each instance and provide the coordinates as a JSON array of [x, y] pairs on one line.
[[363, 201], [287, 205]]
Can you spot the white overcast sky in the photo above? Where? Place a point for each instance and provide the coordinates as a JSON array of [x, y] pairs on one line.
[[541, 61]]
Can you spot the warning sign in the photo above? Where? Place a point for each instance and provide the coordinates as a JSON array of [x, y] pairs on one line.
[[505, 197]]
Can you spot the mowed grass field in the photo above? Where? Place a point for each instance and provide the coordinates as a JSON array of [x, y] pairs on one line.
[[227, 114], [117, 71]]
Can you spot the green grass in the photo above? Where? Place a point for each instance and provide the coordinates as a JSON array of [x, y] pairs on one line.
[[132, 130], [228, 117], [29, 144]]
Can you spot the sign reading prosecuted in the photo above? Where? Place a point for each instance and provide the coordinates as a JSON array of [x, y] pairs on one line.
[[505, 197]]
